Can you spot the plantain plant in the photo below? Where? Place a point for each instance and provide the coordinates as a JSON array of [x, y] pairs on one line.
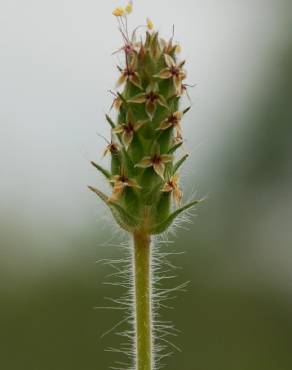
[[146, 134]]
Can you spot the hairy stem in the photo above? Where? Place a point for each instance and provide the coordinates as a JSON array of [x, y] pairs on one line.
[[142, 278]]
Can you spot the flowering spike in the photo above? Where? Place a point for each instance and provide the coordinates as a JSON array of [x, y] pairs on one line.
[[147, 131]]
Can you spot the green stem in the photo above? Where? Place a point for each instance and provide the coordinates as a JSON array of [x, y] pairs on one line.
[[142, 278]]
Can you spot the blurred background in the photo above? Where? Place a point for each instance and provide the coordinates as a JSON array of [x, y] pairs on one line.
[[56, 69]]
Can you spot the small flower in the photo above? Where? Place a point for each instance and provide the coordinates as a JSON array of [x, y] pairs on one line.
[[157, 161], [169, 48], [151, 98], [173, 71], [130, 74], [128, 129], [130, 47], [172, 186], [184, 88], [117, 101], [149, 24], [111, 148], [119, 183], [174, 120], [129, 7], [118, 12], [178, 139]]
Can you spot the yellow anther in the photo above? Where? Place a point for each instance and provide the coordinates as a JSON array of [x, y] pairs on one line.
[[129, 8], [178, 48], [149, 23], [119, 12]]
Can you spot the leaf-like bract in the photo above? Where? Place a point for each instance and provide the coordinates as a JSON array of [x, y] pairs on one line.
[[126, 221], [105, 172], [164, 225]]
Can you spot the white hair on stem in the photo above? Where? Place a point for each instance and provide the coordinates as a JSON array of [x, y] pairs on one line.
[[162, 270]]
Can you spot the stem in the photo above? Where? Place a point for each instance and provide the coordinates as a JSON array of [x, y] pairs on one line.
[[142, 300]]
